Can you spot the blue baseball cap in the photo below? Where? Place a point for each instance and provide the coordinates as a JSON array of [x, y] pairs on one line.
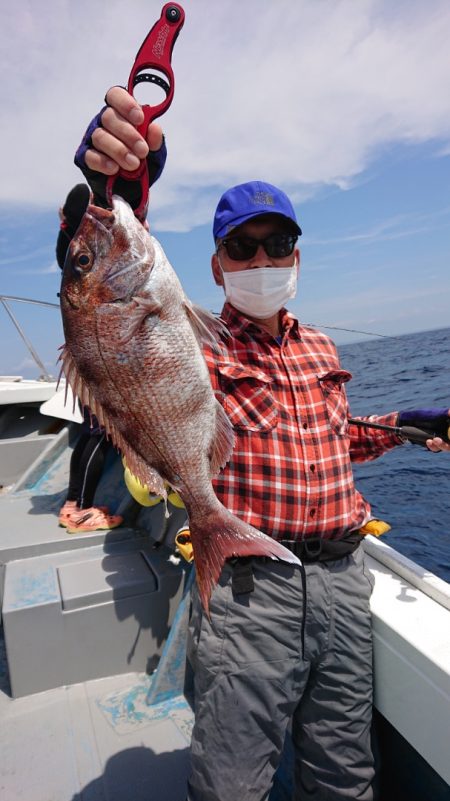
[[245, 201]]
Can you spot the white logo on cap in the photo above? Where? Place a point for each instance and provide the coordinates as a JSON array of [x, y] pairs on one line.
[[263, 197]]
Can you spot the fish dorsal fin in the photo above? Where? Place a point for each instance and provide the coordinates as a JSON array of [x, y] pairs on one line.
[[223, 443], [144, 472], [207, 328]]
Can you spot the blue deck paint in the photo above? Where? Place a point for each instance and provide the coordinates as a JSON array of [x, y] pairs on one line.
[[31, 589], [160, 695], [128, 710], [168, 680]]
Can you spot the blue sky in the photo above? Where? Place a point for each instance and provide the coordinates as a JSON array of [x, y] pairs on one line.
[[345, 104]]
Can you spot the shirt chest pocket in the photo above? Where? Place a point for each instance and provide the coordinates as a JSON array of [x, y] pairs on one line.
[[247, 397], [333, 391]]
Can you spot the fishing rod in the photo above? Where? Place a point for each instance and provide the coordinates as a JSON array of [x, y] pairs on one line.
[[416, 435], [351, 330]]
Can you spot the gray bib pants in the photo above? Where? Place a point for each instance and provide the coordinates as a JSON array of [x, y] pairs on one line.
[[295, 650]]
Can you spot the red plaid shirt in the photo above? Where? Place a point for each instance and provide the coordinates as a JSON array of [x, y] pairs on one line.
[[290, 474]]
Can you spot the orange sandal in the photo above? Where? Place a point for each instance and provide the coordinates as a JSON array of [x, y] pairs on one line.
[[93, 519], [69, 513]]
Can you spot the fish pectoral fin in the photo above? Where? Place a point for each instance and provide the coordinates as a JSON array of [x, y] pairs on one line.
[[207, 328], [141, 309], [223, 442]]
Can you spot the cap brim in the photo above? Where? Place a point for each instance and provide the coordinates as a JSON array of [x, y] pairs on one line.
[[225, 230]]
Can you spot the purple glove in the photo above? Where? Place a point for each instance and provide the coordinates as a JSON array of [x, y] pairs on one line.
[[129, 190], [436, 422]]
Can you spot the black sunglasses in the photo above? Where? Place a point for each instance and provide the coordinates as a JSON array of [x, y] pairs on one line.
[[242, 248]]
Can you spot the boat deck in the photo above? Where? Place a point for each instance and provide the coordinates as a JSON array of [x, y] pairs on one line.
[[102, 739], [94, 702], [94, 741]]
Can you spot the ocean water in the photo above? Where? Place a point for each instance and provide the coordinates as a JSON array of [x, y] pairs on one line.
[[408, 487]]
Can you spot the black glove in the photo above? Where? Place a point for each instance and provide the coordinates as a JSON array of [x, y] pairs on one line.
[[129, 190], [435, 422]]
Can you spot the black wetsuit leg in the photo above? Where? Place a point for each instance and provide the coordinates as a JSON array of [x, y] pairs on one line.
[[86, 466]]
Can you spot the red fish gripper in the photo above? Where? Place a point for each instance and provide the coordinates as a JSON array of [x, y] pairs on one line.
[[155, 53]]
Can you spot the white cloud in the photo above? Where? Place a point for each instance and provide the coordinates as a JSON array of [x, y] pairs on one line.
[[304, 94], [51, 268]]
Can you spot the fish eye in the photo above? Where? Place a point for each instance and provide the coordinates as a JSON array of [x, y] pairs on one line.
[[83, 261]]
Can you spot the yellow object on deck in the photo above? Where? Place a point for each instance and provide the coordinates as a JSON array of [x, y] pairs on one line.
[[375, 527], [184, 544], [141, 494], [175, 499], [139, 491]]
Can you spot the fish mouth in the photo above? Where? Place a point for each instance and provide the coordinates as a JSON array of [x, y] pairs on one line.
[[125, 218], [123, 210], [101, 214], [103, 218], [121, 214]]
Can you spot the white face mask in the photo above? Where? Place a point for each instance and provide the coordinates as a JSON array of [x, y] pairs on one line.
[[262, 291]]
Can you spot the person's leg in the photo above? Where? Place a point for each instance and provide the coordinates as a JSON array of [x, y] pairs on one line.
[[91, 465], [87, 465], [71, 504], [246, 658], [332, 724], [75, 472]]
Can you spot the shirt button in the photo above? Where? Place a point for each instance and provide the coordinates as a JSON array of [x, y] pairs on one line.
[[305, 426], [312, 467], [312, 513]]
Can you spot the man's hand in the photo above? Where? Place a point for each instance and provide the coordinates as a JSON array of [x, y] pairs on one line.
[[112, 142], [116, 142], [437, 444]]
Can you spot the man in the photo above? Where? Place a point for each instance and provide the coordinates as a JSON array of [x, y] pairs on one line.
[[282, 643]]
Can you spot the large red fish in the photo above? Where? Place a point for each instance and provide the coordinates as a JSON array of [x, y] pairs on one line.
[[133, 355]]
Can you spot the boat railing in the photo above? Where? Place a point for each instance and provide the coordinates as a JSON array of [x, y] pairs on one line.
[[5, 301], [416, 575]]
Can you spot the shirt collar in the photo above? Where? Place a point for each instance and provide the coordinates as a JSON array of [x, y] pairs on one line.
[[238, 323]]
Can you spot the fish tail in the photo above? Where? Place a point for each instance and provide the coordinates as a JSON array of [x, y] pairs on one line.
[[220, 536]]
